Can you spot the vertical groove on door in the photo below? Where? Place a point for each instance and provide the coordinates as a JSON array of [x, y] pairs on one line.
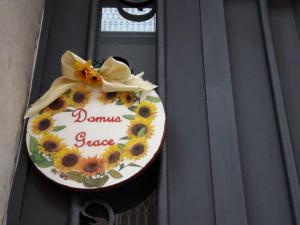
[[94, 22], [162, 212], [285, 138], [190, 189], [228, 189]]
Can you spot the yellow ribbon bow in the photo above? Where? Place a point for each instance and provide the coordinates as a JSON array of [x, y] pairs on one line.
[[112, 76]]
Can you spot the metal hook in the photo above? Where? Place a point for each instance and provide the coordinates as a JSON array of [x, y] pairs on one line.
[[111, 215], [137, 3], [136, 18]]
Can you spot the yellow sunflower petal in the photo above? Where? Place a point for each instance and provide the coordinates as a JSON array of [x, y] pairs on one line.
[[85, 72]]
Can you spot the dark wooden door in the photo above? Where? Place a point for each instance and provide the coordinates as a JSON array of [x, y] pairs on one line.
[[228, 73]]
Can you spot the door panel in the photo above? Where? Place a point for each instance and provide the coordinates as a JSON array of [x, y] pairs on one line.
[[227, 74]]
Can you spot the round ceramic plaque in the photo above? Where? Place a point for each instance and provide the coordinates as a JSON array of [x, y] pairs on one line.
[[87, 139]]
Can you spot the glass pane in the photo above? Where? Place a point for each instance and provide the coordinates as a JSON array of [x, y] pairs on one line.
[[112, 21]]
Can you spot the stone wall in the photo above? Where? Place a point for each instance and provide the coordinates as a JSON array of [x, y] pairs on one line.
[[19, 30]]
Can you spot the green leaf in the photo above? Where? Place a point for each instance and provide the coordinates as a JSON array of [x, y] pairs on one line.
[[40, 160], [33, 144], [129, 117], [69, 110], [115, 174], [97, 182], [76, 176], [58, 128], [133, 164], [153, 99], [132, 108], [121, 146], [141, 132], [119, 102], [124, 138]]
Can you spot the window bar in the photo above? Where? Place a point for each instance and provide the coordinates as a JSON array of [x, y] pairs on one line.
[[162, 195]]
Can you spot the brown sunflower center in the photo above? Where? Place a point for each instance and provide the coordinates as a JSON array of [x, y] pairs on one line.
[[136, 128], [114, 157], [137, 149], [50, 146], [91, 167], [78, 97], [69, 160], [129, 98], [44, 124], [57, 104], [144, 112], [111, 95]]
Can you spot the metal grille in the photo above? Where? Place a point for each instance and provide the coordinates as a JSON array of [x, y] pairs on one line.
[[143, 214], [112, 21]]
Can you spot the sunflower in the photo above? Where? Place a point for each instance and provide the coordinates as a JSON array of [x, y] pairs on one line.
[[112, 156], [79, 96], [58, 105], [86, 73], [67, 159], [51, 144], [127, 98], [91, 166], [136, 148], [146, 110], [42, 123], [140, 128], [107, 97]]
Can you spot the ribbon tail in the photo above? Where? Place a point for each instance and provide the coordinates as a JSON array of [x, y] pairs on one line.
[[134, 83], [58, 87]]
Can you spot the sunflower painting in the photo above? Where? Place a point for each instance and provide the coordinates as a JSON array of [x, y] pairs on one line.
[[50, 144], [79, 96], [146, 110], [112, 156], [136, 148], [59, 105], [140, 128], [42, 123], [127, 98], [107, 97], [91, 166], [67, 159]]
